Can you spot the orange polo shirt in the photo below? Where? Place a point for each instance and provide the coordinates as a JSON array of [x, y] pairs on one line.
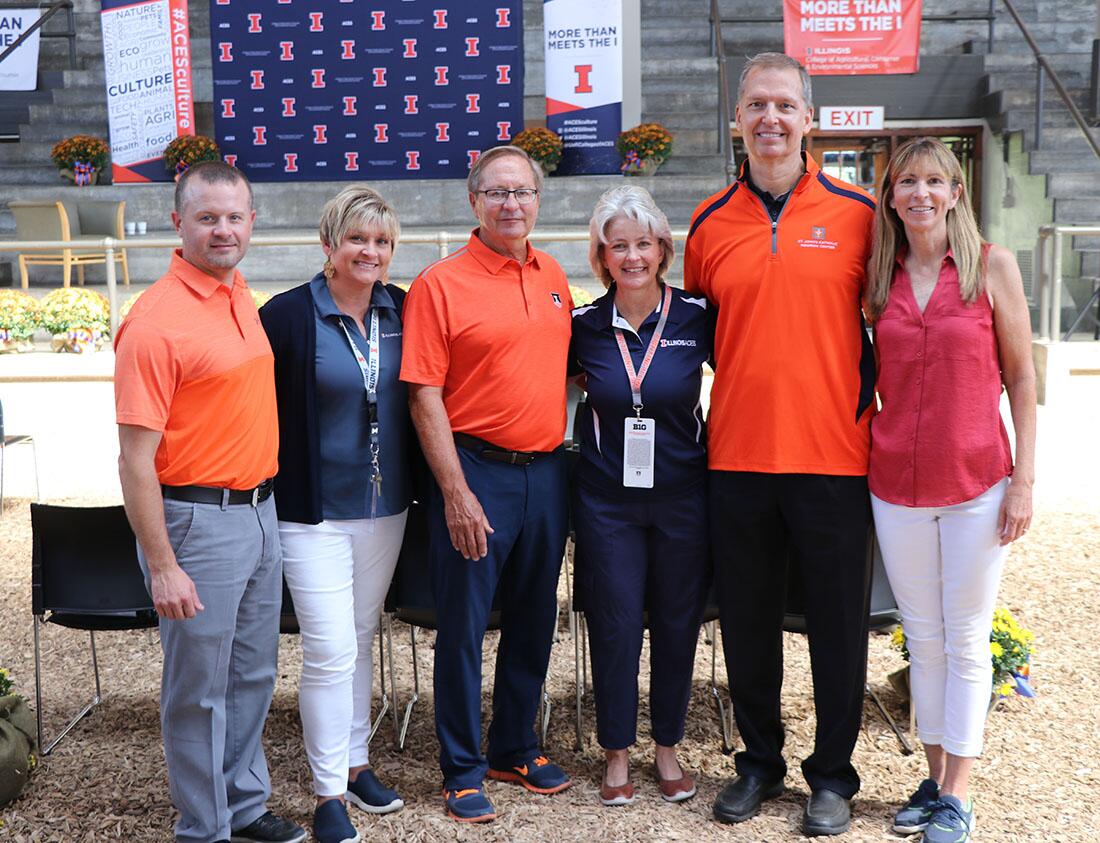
[[793, 387], [192, 360], [495, 335]]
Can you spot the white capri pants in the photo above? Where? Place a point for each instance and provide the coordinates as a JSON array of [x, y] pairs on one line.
[[338, 574], [944, 565]]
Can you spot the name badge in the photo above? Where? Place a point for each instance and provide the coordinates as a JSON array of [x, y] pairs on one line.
[[639, 437]]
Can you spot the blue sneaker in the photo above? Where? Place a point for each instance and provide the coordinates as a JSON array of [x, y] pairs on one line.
[[914, 815], [368, 794], [951, 822], [469, 805], [331, 823], [538, 775]]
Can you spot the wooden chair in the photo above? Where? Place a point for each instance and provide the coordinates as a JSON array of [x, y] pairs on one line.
[[70, 220]]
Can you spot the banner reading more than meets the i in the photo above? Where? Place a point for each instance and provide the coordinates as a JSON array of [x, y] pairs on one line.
[[147, 56], [584, 81], [19, 71], [853, 37]]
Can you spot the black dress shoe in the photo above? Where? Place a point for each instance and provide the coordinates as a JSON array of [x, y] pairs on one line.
[[741, 799], [826, 813]]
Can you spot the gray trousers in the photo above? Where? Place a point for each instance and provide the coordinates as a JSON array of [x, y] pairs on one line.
[[219, 667]]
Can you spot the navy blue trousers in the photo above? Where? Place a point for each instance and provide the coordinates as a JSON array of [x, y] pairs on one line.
[[821, 523], [527, 509], [633, 557]]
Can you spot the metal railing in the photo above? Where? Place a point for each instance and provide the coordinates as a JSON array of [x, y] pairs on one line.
[[718, 49], [1044, 66], [442, 239], [1051, 243], [54, 8]]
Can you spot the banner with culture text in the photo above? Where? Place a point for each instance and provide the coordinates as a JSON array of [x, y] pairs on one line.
[[853, 37], [584, 82], [147, 64], [390, 89], [19, 71]]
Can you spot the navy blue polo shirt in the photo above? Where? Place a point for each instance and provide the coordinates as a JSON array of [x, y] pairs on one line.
[[342, 408], [670, 394]]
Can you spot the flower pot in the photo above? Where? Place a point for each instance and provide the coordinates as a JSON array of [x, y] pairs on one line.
[[17, 742], [647, 167], [11, 345], [547, 169], [78, 341], [899, 681], [70, 176]]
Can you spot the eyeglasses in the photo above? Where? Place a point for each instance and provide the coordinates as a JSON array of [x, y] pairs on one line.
[[498, 195]]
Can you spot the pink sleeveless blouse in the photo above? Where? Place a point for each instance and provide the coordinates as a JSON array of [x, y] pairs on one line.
[[938, 439]]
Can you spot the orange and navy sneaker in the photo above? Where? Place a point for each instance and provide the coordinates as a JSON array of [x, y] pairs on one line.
[[537, 775], [469, 805]]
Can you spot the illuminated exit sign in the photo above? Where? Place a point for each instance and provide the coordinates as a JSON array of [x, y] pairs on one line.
[[851, 118]]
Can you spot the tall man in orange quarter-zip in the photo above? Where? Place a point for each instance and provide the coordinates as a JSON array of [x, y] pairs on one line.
[[781, 253]]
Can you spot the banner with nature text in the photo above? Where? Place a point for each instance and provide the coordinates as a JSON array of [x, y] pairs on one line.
[[853, 37], [147, 65]]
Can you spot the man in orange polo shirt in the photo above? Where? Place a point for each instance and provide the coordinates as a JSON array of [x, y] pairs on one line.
[[485, 346], [781, 253], [195, 405]]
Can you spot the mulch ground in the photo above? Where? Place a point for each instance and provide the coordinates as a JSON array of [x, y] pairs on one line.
[[1038, 780]]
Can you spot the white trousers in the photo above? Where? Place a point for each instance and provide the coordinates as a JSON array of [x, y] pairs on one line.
[[944, 565], [338, 574]]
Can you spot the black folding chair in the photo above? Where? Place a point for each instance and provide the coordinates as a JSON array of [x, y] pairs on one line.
[[8, 440], [84, 575], [411, 601]]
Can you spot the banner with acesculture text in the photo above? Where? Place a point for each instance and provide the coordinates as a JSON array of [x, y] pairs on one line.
[[147, 65], [853, 37]]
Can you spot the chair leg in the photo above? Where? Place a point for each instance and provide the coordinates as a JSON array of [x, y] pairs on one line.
[[66, 267], [388, 620], [80, 274], [125, 268], [44, 747], [415, 697], [23, 277], [384, 702], [34, 459], [2, 451], [725, 715], [578, 681], [906, 746]]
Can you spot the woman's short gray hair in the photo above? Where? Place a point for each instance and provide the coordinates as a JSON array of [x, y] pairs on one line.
[[633, 203], [357, 207]]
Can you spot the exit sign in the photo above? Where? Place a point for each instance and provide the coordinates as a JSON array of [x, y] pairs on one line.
[[851, 118]]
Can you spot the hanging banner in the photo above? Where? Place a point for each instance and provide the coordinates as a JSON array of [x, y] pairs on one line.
[[19, 71], [584, 82], [147, 64], [853, 37], [309, 90]]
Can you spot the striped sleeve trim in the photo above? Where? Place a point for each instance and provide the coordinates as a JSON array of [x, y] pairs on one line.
[[714, 206], [840, 191]]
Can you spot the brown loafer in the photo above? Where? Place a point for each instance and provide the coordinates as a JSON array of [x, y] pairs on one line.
[[675, 790], [613, 796]]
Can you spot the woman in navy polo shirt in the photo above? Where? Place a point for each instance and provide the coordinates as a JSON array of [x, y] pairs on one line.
[[640, 524], [342, 491]]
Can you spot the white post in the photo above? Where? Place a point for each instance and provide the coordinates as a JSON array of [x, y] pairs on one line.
[[112, 291], [1056, 289], [632, 63]]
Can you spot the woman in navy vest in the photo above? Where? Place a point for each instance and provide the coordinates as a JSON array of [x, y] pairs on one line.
[[639, 492], [342, 491]]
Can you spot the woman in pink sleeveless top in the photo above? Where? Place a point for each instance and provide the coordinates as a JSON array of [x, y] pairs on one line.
[[951, 328]]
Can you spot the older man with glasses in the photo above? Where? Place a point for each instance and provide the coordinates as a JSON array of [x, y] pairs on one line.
[[486, 339]]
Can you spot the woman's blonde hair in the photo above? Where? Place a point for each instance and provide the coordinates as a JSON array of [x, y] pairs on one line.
[[633, 203], [357, 207], [963, 237]]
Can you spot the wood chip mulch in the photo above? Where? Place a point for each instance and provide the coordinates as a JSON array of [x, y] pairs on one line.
[[1039, 778]]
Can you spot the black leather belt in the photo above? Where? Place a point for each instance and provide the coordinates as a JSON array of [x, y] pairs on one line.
[[212, 494], [493, 452]]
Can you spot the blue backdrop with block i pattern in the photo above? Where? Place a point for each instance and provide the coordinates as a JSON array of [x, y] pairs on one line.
[[364, 89]]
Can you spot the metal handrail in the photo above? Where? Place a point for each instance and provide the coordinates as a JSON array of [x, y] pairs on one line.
[[718, 48], [54, 8], [109, 245], [1050, 276], [1044, 65]]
